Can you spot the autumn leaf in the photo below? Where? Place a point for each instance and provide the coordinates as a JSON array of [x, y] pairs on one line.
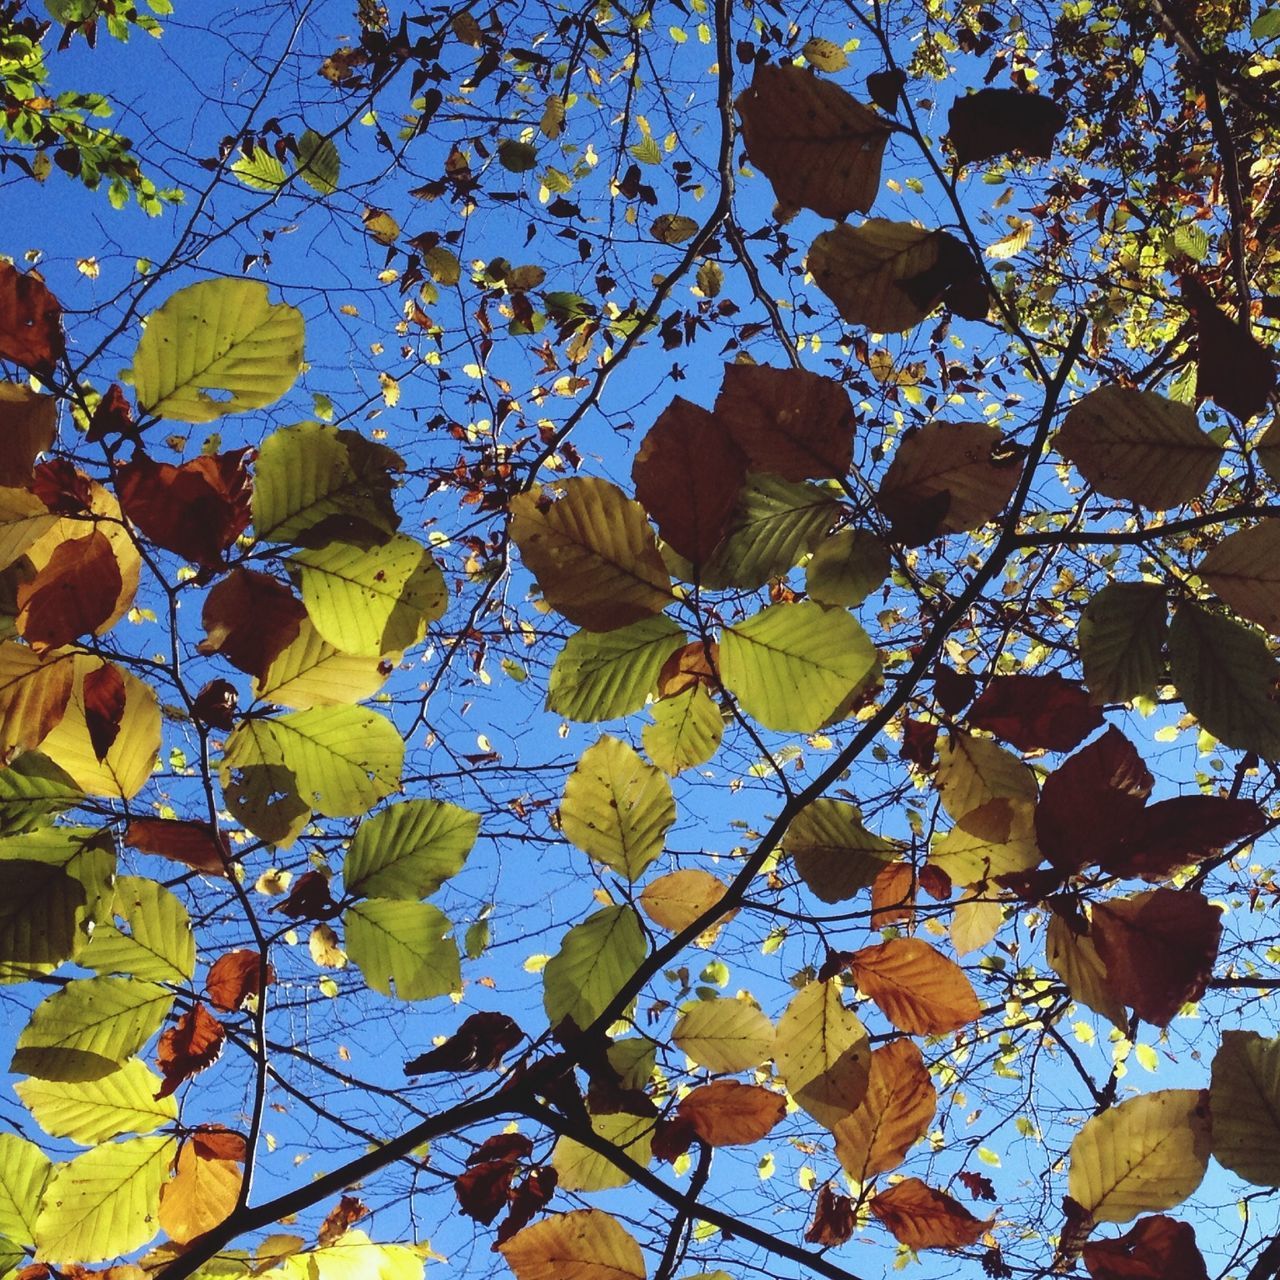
[[1157, 1248], [834, 1218], [201, 1195], [1036, 712], [1232, 366], [30, 321], [340, 1219], [193, 844], [479, 1044], [892, 1117], [73, 594], [917, 988], [893, 895], [586, 1244], [993, 122], [28, 421], [250, 617], [726, 1113], [922, 1218], [233, 978], [191, 1045], [1184, 829], [674, 901], [105, 698]]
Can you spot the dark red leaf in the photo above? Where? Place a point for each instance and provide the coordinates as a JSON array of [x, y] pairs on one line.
[[196, 510], [72, 595], [978, 1185], [953, 691], [993, 122], [250, 617], [63, 489], [188, 1047], [104, 699], [935, 882], [672, 1138], [479, 1044], [885, 88], [1232, 366], [30, 321], [1158, 948], [530, 1196], [194, 844], [216, 704], [234, 977], [1175, 832], [1031, 712], [484, 1189], [919, 742], [954, 279], [309, 898], [1158, 1248], [112, 417], [1090, 802], [834, 1218], [505, 1148]]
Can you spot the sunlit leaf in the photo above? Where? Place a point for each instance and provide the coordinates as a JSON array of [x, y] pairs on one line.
[[403, 943], [604, 675], [595, 958], [409, 849], [686, 731], [1245, 1101], [894, 1114], [916, 987], [1122, 635], [586, 1244], [834, 854], [725, 1035], [824, 1053], [95, 1111]]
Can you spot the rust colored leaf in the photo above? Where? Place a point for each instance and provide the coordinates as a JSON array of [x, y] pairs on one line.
[[922, 1218], [72, 595], [1032, 712], [30, 321], [340, 1219], [729, 1114], [1158, 948], [893, 895], [821, 148], [935, 882], [216, 704], [672, 1138], [309, 898], [27, 425], [33, 699], [1089, 803], [919, 743], [104, 698], [63, 489], [479, 1044], [687, 474], [1233, 368], [978, 1185], [917, 988], [953, 690], [895, 1113], [188, 1047], [694, 664], [1173, 833], [993, 122], [484, 1190], [194, 844], [250, 617], [217, 1142], [529, 1198], [201, 1195], [112, 417], [233, 978], [790, 422], [834, 1218], [1158, 1248]]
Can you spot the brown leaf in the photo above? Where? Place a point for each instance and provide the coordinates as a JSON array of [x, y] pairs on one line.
[[922, 1218], [1158, 948], [948, 477], [484, 1190], [216, 704], [1232, 366], [790, 422], [693, 665], [1033, 712], [953, 690], [73, 595], [729, 1114], [194, 844], [687, 475], [1158, 1248], [27, 425], [917, 988], [993, 122], [479, 1044], [196, 510], [217, 1142], [821, 148], [978, 1185], [200, 1196], [895, 1113], [309, 898], [1176, 832], [250, 618], [885, 88], [834, 1218], [919, 743], [233, 978], [340, 1219], [529, 1198], [893, 895], [104, 697], [188, 1047], [63, 489], [112, 417], [30, 321]]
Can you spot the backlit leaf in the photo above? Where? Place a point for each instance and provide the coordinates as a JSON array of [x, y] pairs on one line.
[[604, 675], [922, 1218], [200, 1195], [586, 1244], [834, 854], [917, 988], [726, 1113], [27, 424], [686, 730], [1122, 636], [1244, 569], [1034, 712], [595, 958], [846, 568], [1156, 1248], [403, 943], [95, 1111], [992, 122], [581, 1169], [310, 672], [725, 1035], [319, 164], [1074, 958], [674, 901], [409, 849], [1245, 1100], [823, 1054], [150, 937], [24, 1170], [894, 1114]]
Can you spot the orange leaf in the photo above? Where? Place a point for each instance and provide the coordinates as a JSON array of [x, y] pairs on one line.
[[693, 665], [33, 699], [234, 977], [340, 1219], [892, 895], [917, 988], [188, 1047], [73, 595], [201, 1195], [729, 1114], [217, 1142], [922, 1218], [1158, 1248], [194, 844], [676, 900], [104, 701], [30, 321], [895, 1113]]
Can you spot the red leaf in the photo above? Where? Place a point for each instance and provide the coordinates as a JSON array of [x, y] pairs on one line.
[[530, 1196], [1232, 366], [922, 1218], [233, 978], [309, 899], [196, 510], [834, 1218], [340, 1219], [188, 1047], [885, 87], [688, 474], [978, 1186], [479, 1044], [112, 417], [1033, 712], [104, 698], [1158, 948], [729, 1114], [793, 423], [993, 122], [30, 321], [953, 691], [250, 617], [1090, 802], [216, 704], [919, 741], [63, 489], [194, 844], [935, 882], [1158, 1248], [1185, 829], [672, 1138], [72, 595], [506, 1148], [483, 1190]]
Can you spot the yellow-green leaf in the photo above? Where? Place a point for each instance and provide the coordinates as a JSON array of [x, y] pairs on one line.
[[1122, 635], [603, 675], [834, 854], [586, 1244], [725, 1035], [310, 672], [319, 164], [403, 943], [94, 1111], [686, 730], [24, 1170], [1245, 1101], [824, 1053], [595, 958], [156, 943], [581, 1169], [409, 849]]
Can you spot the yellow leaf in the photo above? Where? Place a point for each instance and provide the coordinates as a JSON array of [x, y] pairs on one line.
[[200, 1196], [586, 1244]]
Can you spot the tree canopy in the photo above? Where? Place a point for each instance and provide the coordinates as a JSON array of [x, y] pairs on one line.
[[639, 642]]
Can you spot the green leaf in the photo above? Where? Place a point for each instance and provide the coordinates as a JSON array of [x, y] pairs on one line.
[[604, 675], [824, 1053], [221, 336], [617, 808], [595, 958], [88, 1029], [310, 672], [997, 838], [343, 759], [319, 164], [1245, 1101], [32, 790], [314, 483], [1243, 570], [517, 157], [405, 944], [260, 169], [1122, 635], [103, 1203], [1226, 676], [846, 568], [581, 1169], [158, 946], [1266, 25], [834, 854], [41, 910], [94, 1111], [409, 849], [725, 1035], [792, 666], [773, 525], [24, 1170], [686, 730]]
